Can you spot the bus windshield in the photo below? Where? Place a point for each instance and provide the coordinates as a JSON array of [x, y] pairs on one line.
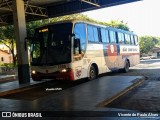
[[52, 45]]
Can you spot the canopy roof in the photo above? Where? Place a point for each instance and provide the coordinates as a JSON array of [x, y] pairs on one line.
[[41, 9]]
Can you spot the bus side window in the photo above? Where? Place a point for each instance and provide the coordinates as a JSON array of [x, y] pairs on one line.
[[132, 40], [107, 36], [112, 35], [135, 40], [120, 38], [80, 33], [93, 34], [90, 34], [127, 39], [103, 35]]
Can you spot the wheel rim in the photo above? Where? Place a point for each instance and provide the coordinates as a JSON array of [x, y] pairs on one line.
[[92, 73]]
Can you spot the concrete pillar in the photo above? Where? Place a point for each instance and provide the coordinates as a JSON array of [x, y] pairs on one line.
[[20, 32]]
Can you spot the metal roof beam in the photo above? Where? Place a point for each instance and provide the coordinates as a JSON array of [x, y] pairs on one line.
[[81, 6], [92, 2], [6, 5], [29, 9], [35, 10], [3, 20]]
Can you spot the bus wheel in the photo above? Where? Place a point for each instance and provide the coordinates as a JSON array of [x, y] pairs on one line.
[[126, 67], [92, 73], [36, 79]]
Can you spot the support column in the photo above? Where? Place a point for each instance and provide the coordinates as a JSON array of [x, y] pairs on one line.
[[20, 32]]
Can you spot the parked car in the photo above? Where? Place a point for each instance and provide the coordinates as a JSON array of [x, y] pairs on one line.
[[145, 57], [152, 57]]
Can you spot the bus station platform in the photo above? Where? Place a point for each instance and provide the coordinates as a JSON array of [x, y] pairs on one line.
[[84, 100]]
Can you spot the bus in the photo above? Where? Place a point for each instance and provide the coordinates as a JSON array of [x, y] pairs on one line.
[[72, 50]]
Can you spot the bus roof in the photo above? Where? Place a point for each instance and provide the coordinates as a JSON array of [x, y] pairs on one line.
[[120, 30], [90, 23], [73, 21]]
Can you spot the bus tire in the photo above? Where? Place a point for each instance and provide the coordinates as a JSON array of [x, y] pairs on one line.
[[126, 66], [36, 79], [92, 73]]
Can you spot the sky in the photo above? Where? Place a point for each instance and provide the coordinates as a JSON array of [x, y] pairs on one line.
[[142, 17]]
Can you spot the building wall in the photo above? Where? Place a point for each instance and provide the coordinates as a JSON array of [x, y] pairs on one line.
[[5, 57]]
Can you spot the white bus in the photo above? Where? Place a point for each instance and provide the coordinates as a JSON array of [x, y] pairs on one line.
[[72, 50]]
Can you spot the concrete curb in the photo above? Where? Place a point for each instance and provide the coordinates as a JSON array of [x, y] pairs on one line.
[[7, 79], [22, 88], [135, 84]]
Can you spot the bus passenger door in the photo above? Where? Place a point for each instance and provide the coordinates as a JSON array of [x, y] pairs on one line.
[[79, 47]]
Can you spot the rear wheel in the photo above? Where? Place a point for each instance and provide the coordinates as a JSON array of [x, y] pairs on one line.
[[92, 73], [126, 67]]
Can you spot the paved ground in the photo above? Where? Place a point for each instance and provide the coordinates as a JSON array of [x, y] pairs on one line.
[[82, 100], [144, 98], [147, 96]]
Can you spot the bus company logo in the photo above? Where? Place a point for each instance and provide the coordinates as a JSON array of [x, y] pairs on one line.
[[112, 50], [78, 73], [112, 53], [6, 114]]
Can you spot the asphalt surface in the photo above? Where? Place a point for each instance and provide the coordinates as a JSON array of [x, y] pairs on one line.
[[146, 97]]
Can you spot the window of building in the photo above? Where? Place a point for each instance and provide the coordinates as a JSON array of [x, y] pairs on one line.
[[2, 59]]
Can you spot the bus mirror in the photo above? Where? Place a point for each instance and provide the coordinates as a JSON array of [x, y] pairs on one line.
[[76, 43], [28, 39], [73, 35], [25, 42]]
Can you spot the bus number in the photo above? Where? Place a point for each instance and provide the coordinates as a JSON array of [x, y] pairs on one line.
[[61, 66]]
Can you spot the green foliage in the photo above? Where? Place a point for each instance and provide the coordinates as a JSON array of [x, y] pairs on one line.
[[118, 24], [7, 38], [31, 26], [7, 65], [35, 24], [113, 23], [8, 32], [147, 43]]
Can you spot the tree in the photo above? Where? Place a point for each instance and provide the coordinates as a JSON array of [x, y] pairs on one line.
[[31, 26], [118, 24], [35, 24], [147, 43], [7, 38]]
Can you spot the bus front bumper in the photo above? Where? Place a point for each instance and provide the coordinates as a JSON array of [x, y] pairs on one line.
[[68, 75]]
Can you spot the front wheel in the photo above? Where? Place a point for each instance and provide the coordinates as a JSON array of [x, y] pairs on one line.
[[92, 73], [36, 79]]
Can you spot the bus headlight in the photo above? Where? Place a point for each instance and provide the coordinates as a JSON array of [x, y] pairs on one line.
[[33, 72], [63, 70]]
